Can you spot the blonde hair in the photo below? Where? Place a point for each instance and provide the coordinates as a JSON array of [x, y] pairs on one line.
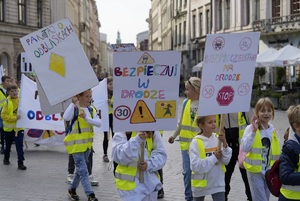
[[264, 102], [293, 114], [195, 83]]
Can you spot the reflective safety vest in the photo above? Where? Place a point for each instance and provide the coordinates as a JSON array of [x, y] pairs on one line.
[[125, 174], [110, 108], [10, 126], [188, 130], [2, 96], [242, 123], [81, 137], [199, 180], [289, 191], [253, 160]]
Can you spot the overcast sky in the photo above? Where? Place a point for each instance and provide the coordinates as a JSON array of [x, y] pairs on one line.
[[128, 17]]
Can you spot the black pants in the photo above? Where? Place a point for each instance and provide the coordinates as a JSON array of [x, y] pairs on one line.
[[105, 139], [2, 137], [230, 168], [71, 164]]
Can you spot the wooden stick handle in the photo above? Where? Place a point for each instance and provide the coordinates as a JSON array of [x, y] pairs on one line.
[[220, 129], [142, 160]]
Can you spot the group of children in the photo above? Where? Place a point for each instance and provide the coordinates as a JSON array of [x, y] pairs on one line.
[[205, 161]]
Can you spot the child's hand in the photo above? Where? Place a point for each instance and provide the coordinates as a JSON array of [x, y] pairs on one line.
[[171, 140], [218, 154], [82, 113], [143, 135], [143, 166], [221, 136], [254, 124]]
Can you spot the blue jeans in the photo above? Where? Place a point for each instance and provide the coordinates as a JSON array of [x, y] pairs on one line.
[[9, 138], [186, 175], [81, 172]]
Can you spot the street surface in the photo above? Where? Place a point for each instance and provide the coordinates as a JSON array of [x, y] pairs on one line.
[[46, 174]]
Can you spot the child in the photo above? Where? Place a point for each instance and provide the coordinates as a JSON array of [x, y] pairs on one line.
[[79, 141], [10, 116], [260, 140], [208, 163], [289, 159], [126, 152], [187, 128], [110, 113]]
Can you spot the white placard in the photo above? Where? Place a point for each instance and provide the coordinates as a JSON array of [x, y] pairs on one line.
[[228, 72], [146, 90]]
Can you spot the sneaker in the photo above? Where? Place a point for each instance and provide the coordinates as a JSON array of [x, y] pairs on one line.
[[92, 197], [6, 162], [70, 178], [105, 159], [92, 181], [72, 194], [22, 167], [161, 194]]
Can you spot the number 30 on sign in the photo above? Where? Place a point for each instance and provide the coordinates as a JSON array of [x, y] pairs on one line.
[[122, 112]]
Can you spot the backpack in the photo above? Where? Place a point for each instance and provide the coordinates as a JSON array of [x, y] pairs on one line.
[[69, 124], [272, 179]]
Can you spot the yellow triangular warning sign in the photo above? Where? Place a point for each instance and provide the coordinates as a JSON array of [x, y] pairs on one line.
[[141, 114], [48, 134], [146, 59]]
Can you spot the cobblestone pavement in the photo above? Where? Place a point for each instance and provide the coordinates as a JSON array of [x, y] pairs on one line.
[[45, 177]]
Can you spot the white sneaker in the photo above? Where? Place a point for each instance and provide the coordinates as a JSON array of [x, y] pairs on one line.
[[70, 178], [92, 181]]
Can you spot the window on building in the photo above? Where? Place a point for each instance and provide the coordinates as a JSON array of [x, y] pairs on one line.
[[295, 7], [207, 22], [247, 2], [22, 11], [194, 26], [220, 15], [2, 10], [257, 9], [176, 35], [184, 33], [200, 24], [276, 8], [180, 3], [39, 13], [227, 14], [180, 32]]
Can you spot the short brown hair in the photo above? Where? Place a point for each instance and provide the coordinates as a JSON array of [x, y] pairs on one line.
[[293, 114], [11, 87]]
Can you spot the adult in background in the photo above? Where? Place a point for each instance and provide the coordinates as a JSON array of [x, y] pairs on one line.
[[235, 124], [6, 81], [187, 129]]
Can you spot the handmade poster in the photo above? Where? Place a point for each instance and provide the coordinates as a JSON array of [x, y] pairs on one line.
[[146, 90], [59, 61], [123, 47], [228, 72]]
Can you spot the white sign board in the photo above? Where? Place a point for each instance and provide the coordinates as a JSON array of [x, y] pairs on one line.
[[26, 66], [228, 72], [145, 90], [1, 73], [59, 61]]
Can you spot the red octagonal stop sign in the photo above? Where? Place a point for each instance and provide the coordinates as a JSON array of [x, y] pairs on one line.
[[225, 96]]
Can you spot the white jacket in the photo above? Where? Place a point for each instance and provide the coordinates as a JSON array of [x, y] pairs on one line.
[[210, 165], [124, 152]]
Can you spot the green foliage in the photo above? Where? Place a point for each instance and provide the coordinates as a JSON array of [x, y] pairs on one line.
[[280, 72]]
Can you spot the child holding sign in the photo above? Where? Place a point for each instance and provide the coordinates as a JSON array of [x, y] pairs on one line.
[[131, 170], [261, 142], [207, 163]]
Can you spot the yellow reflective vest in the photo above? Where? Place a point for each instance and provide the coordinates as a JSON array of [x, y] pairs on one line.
[[125, 174], [199, 180], [189, 129], [253, 160], [81, 137], [289, 191], [242, 123], [9, 126], [2, 97], [110, 108]]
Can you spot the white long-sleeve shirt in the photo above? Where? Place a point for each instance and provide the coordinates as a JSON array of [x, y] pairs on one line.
[[266, 138], [210, 165], [69, 114], [124, 152]]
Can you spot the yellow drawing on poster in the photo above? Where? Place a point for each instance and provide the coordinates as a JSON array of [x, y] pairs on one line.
[[165, 109], [47, 134], [57, 64], [146, 59], [141, 114]]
